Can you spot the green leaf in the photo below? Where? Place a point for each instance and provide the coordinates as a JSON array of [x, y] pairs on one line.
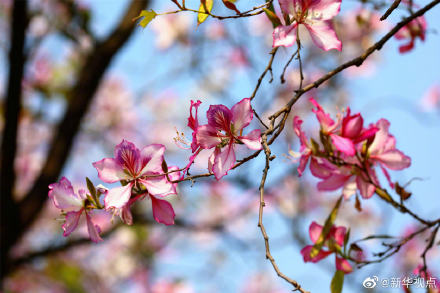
[[205, 6], [91, 187], [148, 15], [337, 282], [272, 17], [326, 229]]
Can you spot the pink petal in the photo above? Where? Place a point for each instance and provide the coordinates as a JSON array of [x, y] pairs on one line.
[[242, 114], [128, 155], [350, 188], [306, 254], [338, 234], [219, 117], [333, 182], [117, 197], [352, 125], [110, 170], [193, 121], [303, 162], [162, 211], [64, 197], [126, 215], [343, 144], [381, 138], [387, 176], [224, 161], [287, 6], [284, 35], [327, 9], [320, 169], [324, 36], [71, 222], [93, 230], [152, 158], [252, 140], [366, 189], [343, 265], [297, 122], [327, 123], [394, 159], [207, 136], [211, 159], [159, 186], [315, 231]]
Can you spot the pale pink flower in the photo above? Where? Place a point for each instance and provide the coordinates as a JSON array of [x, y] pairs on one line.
[[74, 204], [141, 169], [333, 242], [223, 131], [305, 148], [413, 30], [316, 16]]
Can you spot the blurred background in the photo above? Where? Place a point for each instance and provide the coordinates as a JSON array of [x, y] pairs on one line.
[[89, 77]]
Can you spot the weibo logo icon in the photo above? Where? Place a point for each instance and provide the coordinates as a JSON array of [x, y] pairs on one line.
[[370, 282]]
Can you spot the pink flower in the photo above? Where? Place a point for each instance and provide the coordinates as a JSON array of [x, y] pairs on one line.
[[316, 16], [383, 150], [333, 242], [140, 170], [413, 30], [224, 130], [305, 149], [64, 198], [344, 137]]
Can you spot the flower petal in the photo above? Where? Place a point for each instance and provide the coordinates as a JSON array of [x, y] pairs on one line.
[[152, 158], [252, 140], [117, 197], [306, 254], [110, 170], [284, 35], [394, 159], [162, 211], [315, 231], [343, 265], [224, 161], [63, 196], [159, 185], [219, 117], [323, 35], [366, 189], [207, 136], [93, 230], [71, 222], [333, 182], [128, 155], [343, 144], [338, 234], [326, 9], [242, 114]]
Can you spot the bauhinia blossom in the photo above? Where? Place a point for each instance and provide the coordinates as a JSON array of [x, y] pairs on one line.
[[349, 153], [141, 174], [413, 30], [223, 131], [316, 16], [333, 243], [73, 205]]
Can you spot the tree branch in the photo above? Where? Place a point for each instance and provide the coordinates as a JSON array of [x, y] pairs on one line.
[[79, 97]]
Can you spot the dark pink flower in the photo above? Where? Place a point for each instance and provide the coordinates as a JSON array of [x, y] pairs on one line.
[[413, 30], [332, 244], [140, 169], [316, 16], [223, 131], [73, 204]]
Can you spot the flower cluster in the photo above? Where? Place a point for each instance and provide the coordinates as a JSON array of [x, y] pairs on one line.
[[349, 153], [143, 173], [316, 16], [333, 243]]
